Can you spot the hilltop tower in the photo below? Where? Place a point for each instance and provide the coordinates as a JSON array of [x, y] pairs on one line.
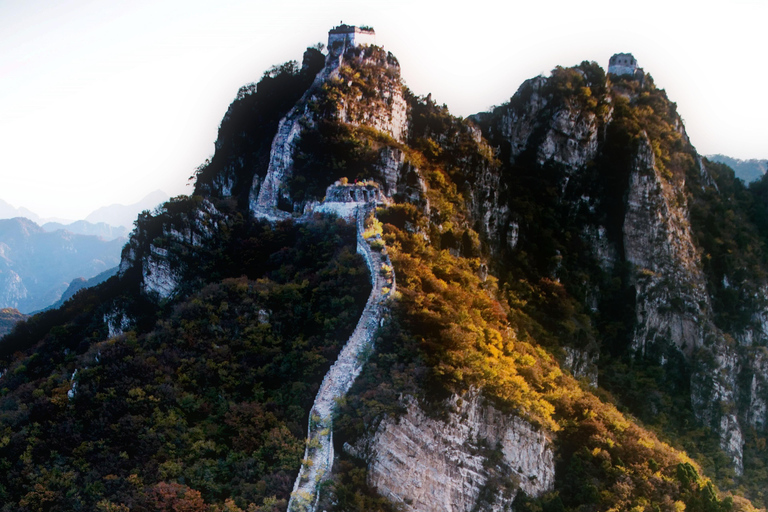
[[345, 36], [622, 64]]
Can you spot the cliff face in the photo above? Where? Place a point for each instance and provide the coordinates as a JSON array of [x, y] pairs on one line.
[[623, 176], [159, 249], [338, 94], [427, 464], [658, 242]]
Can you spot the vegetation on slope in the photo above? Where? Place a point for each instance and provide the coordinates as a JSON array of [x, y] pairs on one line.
[[208, 408], [746, 170], [451, 332]]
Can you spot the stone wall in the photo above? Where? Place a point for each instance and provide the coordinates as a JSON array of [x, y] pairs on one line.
[[318, 455]]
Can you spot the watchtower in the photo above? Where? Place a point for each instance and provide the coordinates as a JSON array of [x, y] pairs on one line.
[[345, 36], [622, 64]]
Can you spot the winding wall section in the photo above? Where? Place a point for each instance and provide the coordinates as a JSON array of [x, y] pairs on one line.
[[318, 455]]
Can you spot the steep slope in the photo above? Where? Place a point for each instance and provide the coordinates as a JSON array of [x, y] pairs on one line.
[[554, 233], [319, 453], [630, 221], [82, 227], [205, 406]]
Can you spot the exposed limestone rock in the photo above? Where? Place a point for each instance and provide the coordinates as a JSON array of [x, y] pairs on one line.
[[571, 136], [512, 234], [756, 333], [517, 124], [424, 464], [264, 316], [486, 204], [390, 165], [571, 139], [605, 252], [671, 289], [158, 276], [117, 322], [73, 386], [582, 363], [264, 195], [412, 188], [714, 393], [161, 269], [128, 258], [202, 228], [225, 180], [672, 304], [758, 403], [387, 113]]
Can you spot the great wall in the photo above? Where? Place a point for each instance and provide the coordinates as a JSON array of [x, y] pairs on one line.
[[351, 201], [318, 454]]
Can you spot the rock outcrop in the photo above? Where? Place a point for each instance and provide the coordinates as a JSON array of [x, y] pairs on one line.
[[385, 111], [265, 195], [671, 288], [157, 259], [561, 124], [425, 464]]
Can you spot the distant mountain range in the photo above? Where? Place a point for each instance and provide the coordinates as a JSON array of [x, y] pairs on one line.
[[83, 227], [124, 215], [115, 216], [748, 170], [8, 211], [37, 266], [81, 283]]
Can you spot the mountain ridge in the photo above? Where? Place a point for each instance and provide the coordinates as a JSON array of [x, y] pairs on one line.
[[564, 226], [748, 170], [124, 215], [116, 215], [36, 266]]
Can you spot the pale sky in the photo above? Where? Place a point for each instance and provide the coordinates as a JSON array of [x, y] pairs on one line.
[[104, 101]]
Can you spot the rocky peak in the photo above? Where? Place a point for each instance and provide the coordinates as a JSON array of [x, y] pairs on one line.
[[358, 88]]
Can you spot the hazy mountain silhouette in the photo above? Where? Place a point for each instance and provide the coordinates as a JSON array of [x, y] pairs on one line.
[[83, 227], [36, 266], [124, 215]]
